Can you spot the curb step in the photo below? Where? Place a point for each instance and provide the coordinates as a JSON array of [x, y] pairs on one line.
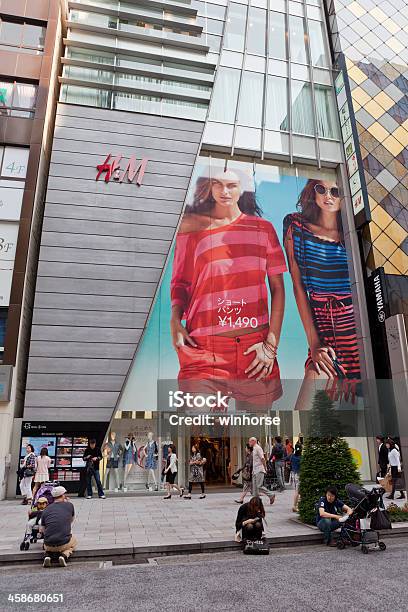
[[109, 556]]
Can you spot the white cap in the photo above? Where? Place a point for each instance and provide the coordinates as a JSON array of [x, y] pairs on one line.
[[58, 491]]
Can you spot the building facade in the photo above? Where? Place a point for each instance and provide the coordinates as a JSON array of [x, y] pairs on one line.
[[161, 103], [30, 39]]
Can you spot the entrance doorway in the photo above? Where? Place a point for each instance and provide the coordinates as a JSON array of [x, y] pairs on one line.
[[216, 451]]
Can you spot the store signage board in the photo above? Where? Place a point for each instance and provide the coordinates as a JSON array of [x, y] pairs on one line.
[[116, 169], [5, 382], [11, 199], [358, 189]]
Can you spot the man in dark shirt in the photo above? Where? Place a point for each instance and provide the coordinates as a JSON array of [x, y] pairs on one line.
[[329, 516], [56, 521], [382, 456], [92, 457]]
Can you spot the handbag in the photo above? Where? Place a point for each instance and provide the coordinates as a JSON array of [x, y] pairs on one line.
[[235, 475], [28, 472], [256, 547], [380, 520]]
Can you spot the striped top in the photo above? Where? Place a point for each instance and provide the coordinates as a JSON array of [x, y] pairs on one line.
[[219, 275], [322, 263]]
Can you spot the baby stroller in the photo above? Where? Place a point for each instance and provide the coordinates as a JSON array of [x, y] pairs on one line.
[[32, 530], [366, 504]]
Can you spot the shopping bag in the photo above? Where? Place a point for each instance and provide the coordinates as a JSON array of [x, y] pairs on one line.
[[386, 483]]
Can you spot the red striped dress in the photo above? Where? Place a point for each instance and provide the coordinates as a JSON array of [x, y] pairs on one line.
[[219, 275]]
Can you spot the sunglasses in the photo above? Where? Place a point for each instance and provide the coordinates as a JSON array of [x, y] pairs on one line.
[[321, 190]]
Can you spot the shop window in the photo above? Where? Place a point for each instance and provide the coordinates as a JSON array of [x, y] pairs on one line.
[[13, 162]]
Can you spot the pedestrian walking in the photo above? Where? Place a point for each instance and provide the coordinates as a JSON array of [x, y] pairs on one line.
[[43, 465], [249, 521], [259, 471], [394, 461], [246, 475], [278, 456], [170, 472], [196, 472], [56, 523], [295, 459], [382, 456], [27, 472], [92, 456]]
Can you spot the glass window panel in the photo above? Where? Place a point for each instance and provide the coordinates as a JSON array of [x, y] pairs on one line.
[[136, 102], [128, 61], [24, 95], [277, 104], [99, 57], [15, 162], [6, 97], [88, 74], [325, 112], [295, 8], [277, 35], [302, 109], [86, 96], [215, 11], [214, 43], [297, 39], [33, 36], [10, 33], [235, 27], [215, 27], [317, 46], [225, 95], [278, 67], [186, 109], [251, 99], [256, 39]]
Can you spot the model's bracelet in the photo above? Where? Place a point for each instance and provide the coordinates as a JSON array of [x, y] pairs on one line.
[[272, 347], [269, 350]]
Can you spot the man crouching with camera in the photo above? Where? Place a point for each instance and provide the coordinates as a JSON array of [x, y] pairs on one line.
[[56, 522]]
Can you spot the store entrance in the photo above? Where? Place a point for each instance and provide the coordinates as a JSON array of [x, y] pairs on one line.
[[216, 451]]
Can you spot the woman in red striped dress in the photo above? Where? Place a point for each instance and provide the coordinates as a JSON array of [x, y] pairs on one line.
[[224, 253]]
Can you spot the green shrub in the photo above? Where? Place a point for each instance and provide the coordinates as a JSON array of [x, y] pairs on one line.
[[326, 461]]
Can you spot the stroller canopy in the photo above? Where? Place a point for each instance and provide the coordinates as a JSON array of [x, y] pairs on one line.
[[355, 492]]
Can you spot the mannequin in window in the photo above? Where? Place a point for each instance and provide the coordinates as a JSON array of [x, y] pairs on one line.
[[129, 451], [114, 451], [151, 452]]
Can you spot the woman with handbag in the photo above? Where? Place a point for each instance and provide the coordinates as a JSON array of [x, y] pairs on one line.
[[246, 472], [394, 461], [27, 474], [196, 472]]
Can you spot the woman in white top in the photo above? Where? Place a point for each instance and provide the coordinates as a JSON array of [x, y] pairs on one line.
[[41, 473], [171, 472], [394, 461]]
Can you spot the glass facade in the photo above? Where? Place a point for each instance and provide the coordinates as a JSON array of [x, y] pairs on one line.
[[275, 55], [155, 63]]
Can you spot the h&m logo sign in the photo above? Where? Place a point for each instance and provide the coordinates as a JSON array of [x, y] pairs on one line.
[[111, 168]]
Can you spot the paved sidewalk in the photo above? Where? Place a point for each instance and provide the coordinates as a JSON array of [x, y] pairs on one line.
[[149, 521]]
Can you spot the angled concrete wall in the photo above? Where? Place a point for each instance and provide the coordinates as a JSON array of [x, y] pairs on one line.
[[103, 248]]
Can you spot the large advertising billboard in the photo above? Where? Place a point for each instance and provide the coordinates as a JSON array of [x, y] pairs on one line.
[[255, 302]]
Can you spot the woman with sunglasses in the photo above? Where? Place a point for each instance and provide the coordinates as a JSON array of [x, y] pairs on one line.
[[317, 258]]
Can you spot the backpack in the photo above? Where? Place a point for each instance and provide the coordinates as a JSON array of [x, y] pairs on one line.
[[277, 452]]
